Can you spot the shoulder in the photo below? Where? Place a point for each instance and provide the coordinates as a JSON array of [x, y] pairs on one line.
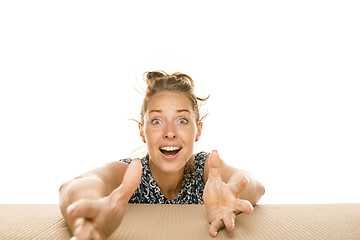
[[111, 174], [109, 169], [225, 170]]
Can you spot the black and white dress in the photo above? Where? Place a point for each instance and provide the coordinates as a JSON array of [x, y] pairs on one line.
[[191, 191]]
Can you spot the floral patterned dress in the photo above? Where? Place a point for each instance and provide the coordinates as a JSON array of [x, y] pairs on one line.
[[191, 191]]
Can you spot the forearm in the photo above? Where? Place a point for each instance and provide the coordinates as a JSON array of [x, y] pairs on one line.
[[254, 189], [80, 188]]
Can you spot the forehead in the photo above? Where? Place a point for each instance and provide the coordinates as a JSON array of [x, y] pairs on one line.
[[167, 101]]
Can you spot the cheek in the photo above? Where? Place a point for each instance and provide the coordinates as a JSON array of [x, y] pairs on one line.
[[189, 135], [149, 134], [152, 136]]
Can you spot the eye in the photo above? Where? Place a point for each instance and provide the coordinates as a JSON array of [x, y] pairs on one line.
[[155, 121], [183, 121]]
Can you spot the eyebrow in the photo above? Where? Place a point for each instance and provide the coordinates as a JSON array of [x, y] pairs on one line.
[[155, 111], [179, 110], [183, 110]]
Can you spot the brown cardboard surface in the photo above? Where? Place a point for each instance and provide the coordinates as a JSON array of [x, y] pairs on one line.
[[317, 221]]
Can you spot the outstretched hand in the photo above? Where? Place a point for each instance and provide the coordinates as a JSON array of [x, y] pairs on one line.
[[98, 219], [220, 199]]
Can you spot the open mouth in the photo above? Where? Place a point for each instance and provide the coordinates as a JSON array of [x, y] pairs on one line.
[[170, 151]]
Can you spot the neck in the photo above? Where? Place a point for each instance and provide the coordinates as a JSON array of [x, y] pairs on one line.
[[169, 183]]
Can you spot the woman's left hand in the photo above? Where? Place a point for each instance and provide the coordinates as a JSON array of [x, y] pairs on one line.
[[220, 199]]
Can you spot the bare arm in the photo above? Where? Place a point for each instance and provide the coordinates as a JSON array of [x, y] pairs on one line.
[[92, 185], [254, 189]]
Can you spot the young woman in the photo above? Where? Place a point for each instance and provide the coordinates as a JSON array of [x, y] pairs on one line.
[[94, 203]]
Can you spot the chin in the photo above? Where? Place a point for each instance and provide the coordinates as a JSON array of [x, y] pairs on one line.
[[170, 163]]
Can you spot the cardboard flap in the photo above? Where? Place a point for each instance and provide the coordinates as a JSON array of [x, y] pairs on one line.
[[316, 221]]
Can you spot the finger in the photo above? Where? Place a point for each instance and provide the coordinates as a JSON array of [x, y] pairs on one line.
[[83, 208], [83, 229], [229, 220], [131, 180], [214, 164], [215, 227], [239, 186], [243, 206], [95, 236]]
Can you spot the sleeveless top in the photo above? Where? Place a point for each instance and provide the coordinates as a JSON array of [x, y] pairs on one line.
[[191, 191]]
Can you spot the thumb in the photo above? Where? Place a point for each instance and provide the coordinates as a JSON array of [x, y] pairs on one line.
[[84, 208], [131, 180], [214, 166]]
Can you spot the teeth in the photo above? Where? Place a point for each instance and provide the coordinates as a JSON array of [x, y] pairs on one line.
[[169, 149]]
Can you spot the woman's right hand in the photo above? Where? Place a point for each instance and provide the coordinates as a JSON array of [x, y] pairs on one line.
[[98, 219]]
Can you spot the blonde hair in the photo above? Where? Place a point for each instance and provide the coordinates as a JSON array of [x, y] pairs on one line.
[[158, 81]]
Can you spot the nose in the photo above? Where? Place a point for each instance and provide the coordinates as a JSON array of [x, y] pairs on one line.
[[170, 132]]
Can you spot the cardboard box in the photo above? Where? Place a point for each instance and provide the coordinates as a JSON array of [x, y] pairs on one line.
[[317, 221]]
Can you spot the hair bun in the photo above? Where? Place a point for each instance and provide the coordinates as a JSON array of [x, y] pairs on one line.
[[155, 75], [158, 81], [184, 77]]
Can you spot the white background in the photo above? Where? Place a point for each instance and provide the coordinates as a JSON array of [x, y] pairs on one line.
[[283, 78]]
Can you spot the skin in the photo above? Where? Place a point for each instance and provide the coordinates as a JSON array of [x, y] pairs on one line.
[[169, 121], [94, 203]]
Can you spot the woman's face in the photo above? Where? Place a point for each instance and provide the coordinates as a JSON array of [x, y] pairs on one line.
[[170, 130]]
